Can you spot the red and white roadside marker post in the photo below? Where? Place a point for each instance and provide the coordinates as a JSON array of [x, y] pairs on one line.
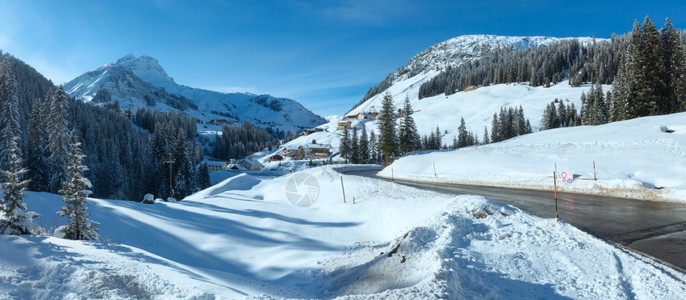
[[555, 190]]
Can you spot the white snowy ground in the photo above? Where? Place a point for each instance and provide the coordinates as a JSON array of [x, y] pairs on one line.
[[633, 158], [243, 238]]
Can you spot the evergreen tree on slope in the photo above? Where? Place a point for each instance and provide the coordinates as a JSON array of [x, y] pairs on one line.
[[59, 138], [355, 148], [9, 113], [183, 165], [675, 70], [37, 143], [409, 138], [388, 140], [345, 147], [364, 147], [75, 191], [16, 220]]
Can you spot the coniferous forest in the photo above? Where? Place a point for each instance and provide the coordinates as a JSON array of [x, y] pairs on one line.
[[123, 161]]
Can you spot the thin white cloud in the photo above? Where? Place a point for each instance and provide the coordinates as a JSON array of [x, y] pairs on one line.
[[232, 89], [360, 11]]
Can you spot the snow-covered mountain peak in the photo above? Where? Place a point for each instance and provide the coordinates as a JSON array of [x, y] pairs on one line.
[[461, 49], [141, 82], [454, 52], [146, 68]]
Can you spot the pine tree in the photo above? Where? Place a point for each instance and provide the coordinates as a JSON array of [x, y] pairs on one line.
[[354, 148], [203, 176], [562, 114], [9, 112], [345, 148], [408, 136], [495, 129], [388, 140], [364, 147], [675, 70], [182, 168], [601, 109], [75, 191], [37, 143], [486, 140], [162, 142], [620, 93], [59, 138], [438, 142], [373, 152], [16, 220], [644, 70], [462, 135]]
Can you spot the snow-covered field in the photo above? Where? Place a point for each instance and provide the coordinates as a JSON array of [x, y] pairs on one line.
[[635, 158], [244, 238]]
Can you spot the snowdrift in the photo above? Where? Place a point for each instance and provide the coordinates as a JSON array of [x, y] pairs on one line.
[[244, 238]]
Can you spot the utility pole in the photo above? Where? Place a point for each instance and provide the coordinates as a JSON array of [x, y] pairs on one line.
[[171, 187]]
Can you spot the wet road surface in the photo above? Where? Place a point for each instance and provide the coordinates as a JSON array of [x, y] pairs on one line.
[[654, 228]]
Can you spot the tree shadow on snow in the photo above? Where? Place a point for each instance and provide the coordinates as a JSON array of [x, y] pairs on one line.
[[176, 246]]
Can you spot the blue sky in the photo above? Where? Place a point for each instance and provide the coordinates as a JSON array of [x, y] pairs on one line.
[[324, 54]]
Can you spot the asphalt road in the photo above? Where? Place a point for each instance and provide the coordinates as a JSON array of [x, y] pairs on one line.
[[654, 228]]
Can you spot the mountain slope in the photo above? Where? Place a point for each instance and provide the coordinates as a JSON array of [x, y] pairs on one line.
[[476, 107], [454, 52], [142, 82]]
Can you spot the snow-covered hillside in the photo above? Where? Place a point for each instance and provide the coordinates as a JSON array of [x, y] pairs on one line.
[[461, 49], [642, 158], [476, 107], [243, 238], [142, 82]]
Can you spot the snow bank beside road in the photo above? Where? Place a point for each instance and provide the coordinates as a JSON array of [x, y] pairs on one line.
[[634, 159], [242, 238]]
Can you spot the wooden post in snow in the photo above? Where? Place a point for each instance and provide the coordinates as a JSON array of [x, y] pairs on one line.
[[555, 190], [343, 188], [594, 176]]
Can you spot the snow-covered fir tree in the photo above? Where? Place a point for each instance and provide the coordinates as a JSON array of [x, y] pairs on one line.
[[37, 144], [364, 147], [674, 60], [373, 150], [59, 138], [15, 218], [203, 176], [650, 79], [9, 111], [355, 147], [408, 137], [388, 139], [184, 183], [75, 191], [486, 139], [345, 148]]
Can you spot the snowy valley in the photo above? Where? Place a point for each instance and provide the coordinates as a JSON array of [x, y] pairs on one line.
[[299, 226], [242, 238]]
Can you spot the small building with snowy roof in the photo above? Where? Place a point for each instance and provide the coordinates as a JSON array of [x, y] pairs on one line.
[[250, 163]]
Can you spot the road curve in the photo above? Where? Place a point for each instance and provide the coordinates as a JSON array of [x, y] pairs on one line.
[[654, 228]]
